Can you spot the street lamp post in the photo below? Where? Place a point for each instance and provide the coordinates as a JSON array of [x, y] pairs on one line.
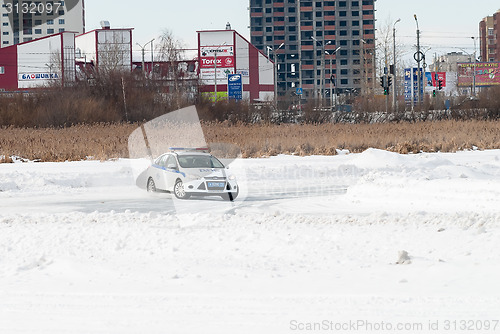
[[394, 87], [215, 70], [331, 77], [418, 58], [143, 48], [275, 67], [322, 82], [474, 74]]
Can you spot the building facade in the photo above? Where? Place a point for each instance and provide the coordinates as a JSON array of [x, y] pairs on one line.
[[44, 62], [105, 50], [317, 44], [224, 53], [489, 31], [24, 21]]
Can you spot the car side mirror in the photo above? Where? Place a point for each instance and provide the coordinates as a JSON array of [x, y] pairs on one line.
[[172, 166]]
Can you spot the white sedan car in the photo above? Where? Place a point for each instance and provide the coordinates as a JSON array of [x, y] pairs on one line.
[[191, 172]]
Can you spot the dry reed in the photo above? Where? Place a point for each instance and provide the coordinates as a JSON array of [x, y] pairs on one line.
[[110, 141]]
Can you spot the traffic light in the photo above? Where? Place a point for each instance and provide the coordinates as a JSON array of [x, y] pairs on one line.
[[382, 81], [440, 84], [386, 90], [434, 93], [389, 82]]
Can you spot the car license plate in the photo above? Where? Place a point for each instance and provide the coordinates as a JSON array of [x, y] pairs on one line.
[[216, 184]]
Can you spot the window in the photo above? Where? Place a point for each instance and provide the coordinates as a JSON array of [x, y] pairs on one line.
[[355, 32], [38, 31], [268, 10], [2, 70], [355, 4], [355, 13], [50, 31], [343, 62], [5, 24], [344, 72], [342, 3], [343, 32], [343, 13], [355, 23], [5, 33], [61, 30], [50, 22], [61, 21], [269, 29], [5, 42], [343, 43], [344, 81], [343, 23]]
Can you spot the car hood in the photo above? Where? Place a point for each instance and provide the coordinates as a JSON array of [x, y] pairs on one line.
[[208, 172]]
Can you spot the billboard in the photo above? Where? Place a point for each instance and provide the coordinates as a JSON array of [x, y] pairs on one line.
[[432, 78], [411, 85], [487, 74]]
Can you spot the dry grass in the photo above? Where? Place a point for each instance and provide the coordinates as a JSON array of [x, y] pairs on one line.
[[109, 141]]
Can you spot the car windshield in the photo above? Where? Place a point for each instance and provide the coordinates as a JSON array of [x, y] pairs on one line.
[[199, 161]]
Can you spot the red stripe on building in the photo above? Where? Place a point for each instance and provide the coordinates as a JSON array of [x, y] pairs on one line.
[[254, 78]]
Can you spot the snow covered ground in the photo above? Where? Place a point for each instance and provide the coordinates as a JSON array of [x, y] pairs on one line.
[[314, 244]]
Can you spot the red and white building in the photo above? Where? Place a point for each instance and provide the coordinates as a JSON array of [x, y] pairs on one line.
[[235, 55], [105, 49], [38, 63]]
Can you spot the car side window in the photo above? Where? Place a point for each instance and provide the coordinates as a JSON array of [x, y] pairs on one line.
[[171, 161]]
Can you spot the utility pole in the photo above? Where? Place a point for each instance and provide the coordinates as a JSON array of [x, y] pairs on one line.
[[299, 42], [394, 88], [474, 74]]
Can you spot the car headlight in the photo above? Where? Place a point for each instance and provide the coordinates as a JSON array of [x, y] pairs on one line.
[[192, 177], [232, 177]]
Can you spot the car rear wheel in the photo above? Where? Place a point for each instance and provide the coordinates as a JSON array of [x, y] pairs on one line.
[[179, 191], [151, 187]]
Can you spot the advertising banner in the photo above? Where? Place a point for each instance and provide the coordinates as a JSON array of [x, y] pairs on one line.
[[487, 74], [222, 51], [37, 76], [432, 81], [207, 75], [222, 61], [235, 86]]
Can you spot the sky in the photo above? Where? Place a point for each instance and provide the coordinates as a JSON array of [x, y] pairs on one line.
[[446, 25]]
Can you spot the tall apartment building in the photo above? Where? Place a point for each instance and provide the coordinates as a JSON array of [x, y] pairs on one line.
[[489, 32], [322, 43], [26, 20]]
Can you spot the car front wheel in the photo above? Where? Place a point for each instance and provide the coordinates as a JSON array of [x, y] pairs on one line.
[[230, 196], [179, 191]]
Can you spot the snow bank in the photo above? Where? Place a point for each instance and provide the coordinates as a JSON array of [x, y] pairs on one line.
[[83, 250]]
